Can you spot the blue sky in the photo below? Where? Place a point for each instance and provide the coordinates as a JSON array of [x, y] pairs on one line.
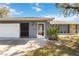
[[36, 10]]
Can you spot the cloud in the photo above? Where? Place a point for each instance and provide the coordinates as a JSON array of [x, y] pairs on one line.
[[37, 4], [37, 7], [7, 3], [2, 5], [14, 12], [62, 18], [49, 16]]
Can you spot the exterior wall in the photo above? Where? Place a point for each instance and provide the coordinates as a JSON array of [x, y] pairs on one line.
[[63, 28], [77, 28], [46, 28], [72, 28], [32, 29], [13, 29], [9, 30]]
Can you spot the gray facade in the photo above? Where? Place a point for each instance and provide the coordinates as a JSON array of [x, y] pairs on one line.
[[24, 27], [13, 29], [32, 30]]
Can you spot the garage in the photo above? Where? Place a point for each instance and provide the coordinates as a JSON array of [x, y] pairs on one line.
[[9, 30]]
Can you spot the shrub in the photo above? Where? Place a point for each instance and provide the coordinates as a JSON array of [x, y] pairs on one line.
[[53, 32]]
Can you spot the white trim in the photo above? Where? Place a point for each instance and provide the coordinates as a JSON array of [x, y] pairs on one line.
[[38, 36]]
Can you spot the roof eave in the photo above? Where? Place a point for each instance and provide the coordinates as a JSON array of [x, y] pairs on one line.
[[20, 20]]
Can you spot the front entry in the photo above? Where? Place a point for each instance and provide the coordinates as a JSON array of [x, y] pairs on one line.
[[41, 30], [24, 30]]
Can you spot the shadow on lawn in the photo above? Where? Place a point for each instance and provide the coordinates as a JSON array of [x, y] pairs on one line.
[[68, 50], [51, 49]]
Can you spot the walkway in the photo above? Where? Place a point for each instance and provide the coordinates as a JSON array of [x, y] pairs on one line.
[[14, 46]]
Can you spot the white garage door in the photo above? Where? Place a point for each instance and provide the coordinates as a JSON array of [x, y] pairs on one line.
[[9, 30]]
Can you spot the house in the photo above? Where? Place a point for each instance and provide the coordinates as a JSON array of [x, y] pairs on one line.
[[66, 27], [34, 27], [24, 27]]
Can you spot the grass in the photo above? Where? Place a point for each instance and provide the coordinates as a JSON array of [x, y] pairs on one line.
[[68, 48], [77, 38], [54, 51]]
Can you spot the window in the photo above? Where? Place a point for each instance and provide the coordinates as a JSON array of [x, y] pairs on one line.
[[63, 29], [77, 28]]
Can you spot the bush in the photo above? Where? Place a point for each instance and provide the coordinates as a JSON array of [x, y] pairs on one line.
[[53, 33]]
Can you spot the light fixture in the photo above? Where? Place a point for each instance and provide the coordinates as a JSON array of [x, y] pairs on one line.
[[33, 23]]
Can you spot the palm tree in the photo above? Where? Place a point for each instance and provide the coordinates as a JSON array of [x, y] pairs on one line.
[[4, 12], [69, 8]]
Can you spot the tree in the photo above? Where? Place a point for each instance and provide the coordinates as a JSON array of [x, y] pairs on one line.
[[3, 12], [69, 8]]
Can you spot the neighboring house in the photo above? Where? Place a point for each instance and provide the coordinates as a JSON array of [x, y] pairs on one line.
[[66, 27], [24, 27]]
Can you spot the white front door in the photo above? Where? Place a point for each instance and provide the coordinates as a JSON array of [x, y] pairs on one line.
[[41, 30]]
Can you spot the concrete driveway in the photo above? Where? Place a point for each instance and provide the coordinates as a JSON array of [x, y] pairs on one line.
[[12, 46]]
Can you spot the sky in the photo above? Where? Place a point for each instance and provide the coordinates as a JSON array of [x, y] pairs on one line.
[[36, 10], [32, 9]]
